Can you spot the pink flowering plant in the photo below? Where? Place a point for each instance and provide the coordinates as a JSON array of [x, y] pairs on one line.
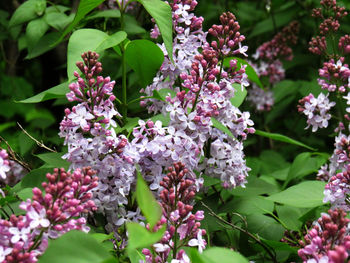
[[176, 133]]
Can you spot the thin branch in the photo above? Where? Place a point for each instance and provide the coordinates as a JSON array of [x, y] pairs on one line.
[[257, 239], [15, 157], [40, 144]]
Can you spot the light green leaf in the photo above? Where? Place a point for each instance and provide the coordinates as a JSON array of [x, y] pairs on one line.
[[161, 12], [249, 70], [222, 255], [305, 194], [82, 40], [145, 58], [140, 237], [56, 92], [160, 117], [146, 201], [254, 187], [239, 96], [112, 41], [27, 11], [25, 194], [35, 30], [163, 93], [85, 6], [282, 138], [74, 247], [53, 160], [221, 127]]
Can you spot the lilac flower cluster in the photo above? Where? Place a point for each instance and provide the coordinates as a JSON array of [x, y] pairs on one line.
[[268, 64], [328, 240], [89, 133], [337, 189], [189, 38], [330, 14], [335, 76], [316, 110], [182, 227], [67, 196], [10, 171]]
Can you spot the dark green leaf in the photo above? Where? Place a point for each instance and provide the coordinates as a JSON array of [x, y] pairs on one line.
[[56, 92], [145, 58], [305, 194], [249, 205], [282, 138], [254, 187], [58, 20], [112, 13], [74, 247], [35, 177], [44, 44], [147, 203], [289, 216], [53, 160], [265, 227], [27, 11], [161, 12], [25, 194], [35, 30], [85, 6]]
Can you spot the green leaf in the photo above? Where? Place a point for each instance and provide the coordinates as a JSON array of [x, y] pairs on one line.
[[282, 138], [305, 194], [221, 127], [82, 40], [145, 58], [289, 216], [304, 164], [56, 92], [35, 177], [160, 117], [161, 12], [163, 93], [53, 160], [281, 18], [265, 227], [85, 6], [112, 13], [254, 187], [249, 70], [74, 247], [129, 126], [146, 201], [27, 11], [132, 27], [35, 30], [112, 41], [25, 194], [239, 96], [249, 205], [140, 237], [6, 125], [44, 44], [222, 255], [58, 20]]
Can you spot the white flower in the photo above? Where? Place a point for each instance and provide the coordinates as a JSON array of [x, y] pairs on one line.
[[38, 219], [4, 252], [80, 116], [199, 242], [19, 234]]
